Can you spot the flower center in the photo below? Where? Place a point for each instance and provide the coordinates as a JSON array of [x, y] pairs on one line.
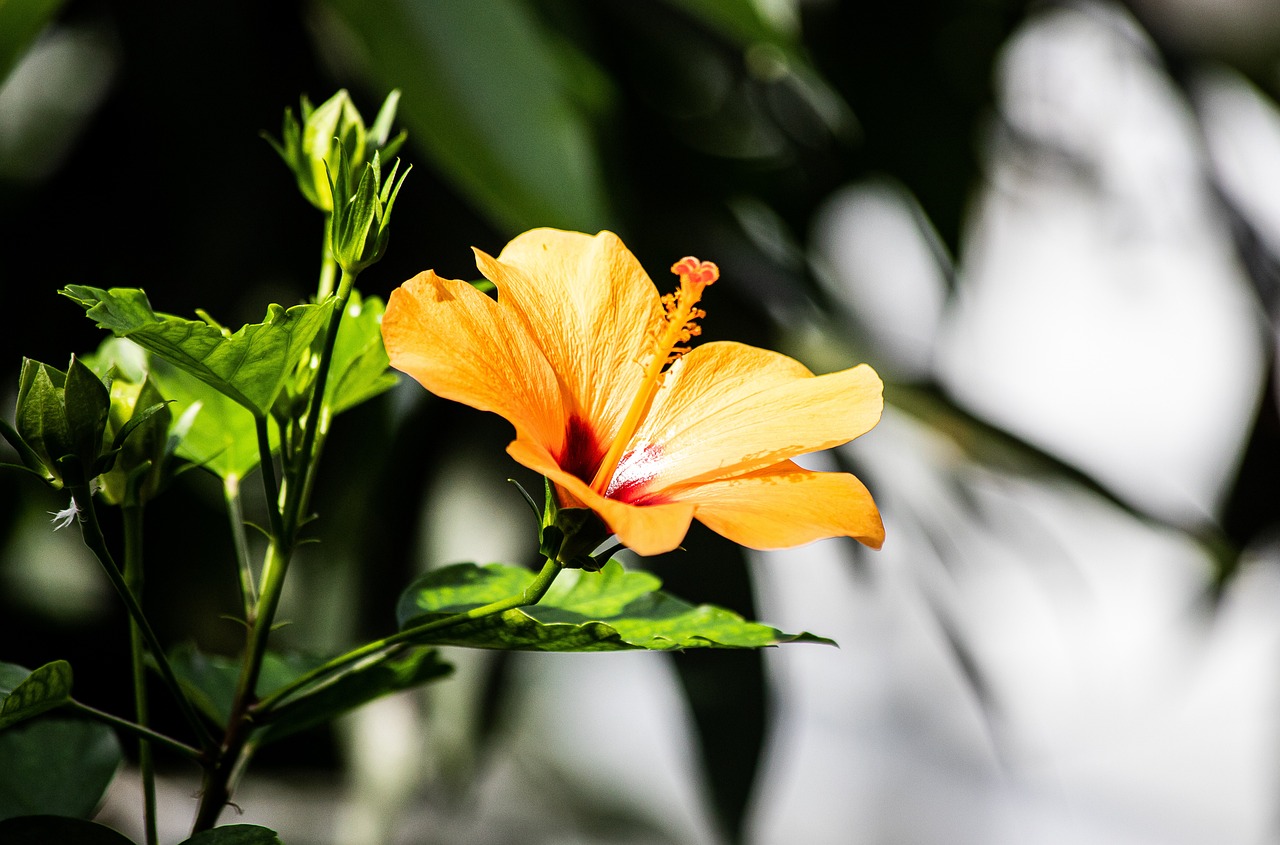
[[679, 324]]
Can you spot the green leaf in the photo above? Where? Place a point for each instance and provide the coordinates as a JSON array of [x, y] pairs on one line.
[[360, 686], [31, 462], [11, 674], [213, 431], [249, 366], [492, 101], [380, 131], [609, 610], [140, 442], [44, 830], [359, 370], [210, 680], [235, 834], [41, 690], [20, 22], [57, 766]]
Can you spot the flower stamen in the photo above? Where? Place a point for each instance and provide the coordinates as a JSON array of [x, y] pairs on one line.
[[678, 327]]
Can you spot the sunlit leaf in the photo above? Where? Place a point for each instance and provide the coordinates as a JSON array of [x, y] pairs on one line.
[[249, 366], [211, 430], [57, 766], [486, 95], [139, 429], [41, 690], [215, 432], [235, 834], [609, 610], [43, 830], [360, 369]]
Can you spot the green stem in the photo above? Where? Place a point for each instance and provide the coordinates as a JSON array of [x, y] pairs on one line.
[[248, 588], [532, 594], [286, 513], [133, 579], [328, 269], [236, 746], [274, 567], [298, 496], [267, 467], [140, 731], [91, 531]]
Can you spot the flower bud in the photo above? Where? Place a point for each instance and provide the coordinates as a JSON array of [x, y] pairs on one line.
[[137, 472], [61, 419], [359, 227], [312, 147]]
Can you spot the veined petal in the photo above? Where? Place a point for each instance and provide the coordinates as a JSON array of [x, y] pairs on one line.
[[590, 307], [781, 506], [728, 408], [457, 343], [646, 530]]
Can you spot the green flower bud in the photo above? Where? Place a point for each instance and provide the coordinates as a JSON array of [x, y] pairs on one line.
[[334, 128], [137, 473], [61, 420], [312, 147], [71, 427], [359, 227]]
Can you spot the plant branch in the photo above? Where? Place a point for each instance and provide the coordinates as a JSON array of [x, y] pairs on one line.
[[532, 594], [133, 579], [235, 513], [137, 730], [236, 745], [91, 531], [267, 467], [317, 411]]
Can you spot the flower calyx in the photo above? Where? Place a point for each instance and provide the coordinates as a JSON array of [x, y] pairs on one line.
[[63, 420], [570, 535]]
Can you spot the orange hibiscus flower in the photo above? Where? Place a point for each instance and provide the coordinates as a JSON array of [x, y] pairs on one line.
[[590, 364]]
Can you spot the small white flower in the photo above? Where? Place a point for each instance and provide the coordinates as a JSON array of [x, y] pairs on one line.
[[64, 517]]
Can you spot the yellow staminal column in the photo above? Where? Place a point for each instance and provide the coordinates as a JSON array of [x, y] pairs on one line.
[[679, 325]]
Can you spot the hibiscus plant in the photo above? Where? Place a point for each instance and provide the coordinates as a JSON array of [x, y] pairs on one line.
[[636, 430]]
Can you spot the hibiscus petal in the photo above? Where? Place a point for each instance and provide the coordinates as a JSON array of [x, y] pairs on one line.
[[783, 506], [590, 307], [646, 530], [457, 343], [727, 409]]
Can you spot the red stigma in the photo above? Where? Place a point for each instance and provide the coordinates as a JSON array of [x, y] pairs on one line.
[[696, 271]]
